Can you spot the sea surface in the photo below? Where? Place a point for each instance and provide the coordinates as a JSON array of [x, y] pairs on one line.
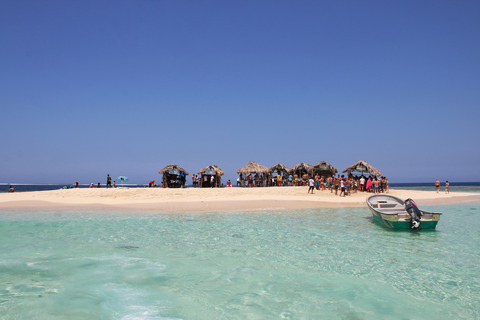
[[454, 186], [267, 264]]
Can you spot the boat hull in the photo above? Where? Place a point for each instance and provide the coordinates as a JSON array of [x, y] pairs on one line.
[[390, 212], [389, 221]]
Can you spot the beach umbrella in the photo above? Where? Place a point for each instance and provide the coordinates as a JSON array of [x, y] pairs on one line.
[[122, 178]]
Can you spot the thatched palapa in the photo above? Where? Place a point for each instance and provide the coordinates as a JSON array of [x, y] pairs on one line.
[[363, 166], [214, 168], [252, 167], [279, 168], [210, 176], [324, 168], [172, 167], [301, 167], [173, 176]]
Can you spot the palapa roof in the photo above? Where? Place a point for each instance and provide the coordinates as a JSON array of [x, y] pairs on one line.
[[253, 167], [214, 167], [370, 169], [324, 166], [278, 167], [173, 166], [301, 165]]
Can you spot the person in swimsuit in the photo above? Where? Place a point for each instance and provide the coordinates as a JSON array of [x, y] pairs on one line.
[[447, 185], [375, 185], [437, 185]]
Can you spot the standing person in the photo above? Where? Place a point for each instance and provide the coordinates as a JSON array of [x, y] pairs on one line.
[[311, 185], [205, 181], [317, 181], [193, 181], [348, 185], [369, 184], [376, 186], [362, 183], [183, 178], [109, 181], [342, 187], [437, 185], [336, 183], [447, 185], [114, 183]]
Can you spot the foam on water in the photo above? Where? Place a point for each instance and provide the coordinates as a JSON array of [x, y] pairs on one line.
[[298, 264]]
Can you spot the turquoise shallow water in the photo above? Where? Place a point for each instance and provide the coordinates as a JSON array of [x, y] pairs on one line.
[[304, 264]]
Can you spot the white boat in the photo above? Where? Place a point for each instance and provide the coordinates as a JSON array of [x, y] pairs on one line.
[[396, 213]]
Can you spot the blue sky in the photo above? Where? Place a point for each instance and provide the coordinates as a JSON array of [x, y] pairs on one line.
[[90, 88]]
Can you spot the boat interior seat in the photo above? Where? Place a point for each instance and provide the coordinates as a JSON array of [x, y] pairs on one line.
[[388, 205]]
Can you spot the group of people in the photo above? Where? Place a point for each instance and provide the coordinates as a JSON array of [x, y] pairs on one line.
[[447, 186], [262, 180], [249, 180], [346, 185], [206, 180], [99, 185], [349, 184]]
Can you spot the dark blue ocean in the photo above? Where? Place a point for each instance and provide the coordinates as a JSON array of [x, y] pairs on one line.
[[454, 186]]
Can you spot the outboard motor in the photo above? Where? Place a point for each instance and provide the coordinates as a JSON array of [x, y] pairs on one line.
[[414, 212]]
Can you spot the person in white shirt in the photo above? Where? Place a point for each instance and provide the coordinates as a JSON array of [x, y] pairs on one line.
[[342, 187], [362, 184], [311, 185]]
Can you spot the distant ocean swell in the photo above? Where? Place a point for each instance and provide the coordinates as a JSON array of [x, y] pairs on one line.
[[473, 187]]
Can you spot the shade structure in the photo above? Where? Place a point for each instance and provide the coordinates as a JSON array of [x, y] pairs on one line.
[[253, 167], [173, 167], [279, 168], [173, 176], [211, 170], [363, 166], [301, 166], [122, 178], [324, 168], [210, 176]]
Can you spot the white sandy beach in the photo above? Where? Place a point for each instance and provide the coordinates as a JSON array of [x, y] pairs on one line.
[[207, 199]]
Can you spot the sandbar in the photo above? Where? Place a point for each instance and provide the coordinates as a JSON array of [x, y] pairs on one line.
[[208, 199]]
